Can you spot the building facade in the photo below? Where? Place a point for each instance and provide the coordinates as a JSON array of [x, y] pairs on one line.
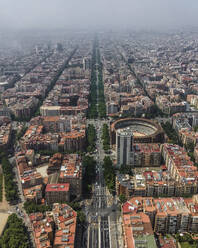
[[124, 143], [57, 193]]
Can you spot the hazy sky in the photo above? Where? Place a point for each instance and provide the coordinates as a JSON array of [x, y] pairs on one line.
[[98, 13]]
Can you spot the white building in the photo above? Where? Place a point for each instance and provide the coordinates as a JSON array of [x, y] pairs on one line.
[[124, 144]]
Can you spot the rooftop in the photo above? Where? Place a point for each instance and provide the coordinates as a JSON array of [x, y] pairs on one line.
[[57, 187]]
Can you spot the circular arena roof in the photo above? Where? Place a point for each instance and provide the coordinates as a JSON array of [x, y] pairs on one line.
[[144, 130]]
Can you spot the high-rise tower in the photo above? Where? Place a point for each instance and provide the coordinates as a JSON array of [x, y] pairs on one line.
[[124, 144]]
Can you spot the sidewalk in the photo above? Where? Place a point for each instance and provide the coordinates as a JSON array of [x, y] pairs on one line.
[[4, 209], [4, 205]]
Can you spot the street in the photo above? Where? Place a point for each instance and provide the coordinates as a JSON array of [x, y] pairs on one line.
[[99, 212]]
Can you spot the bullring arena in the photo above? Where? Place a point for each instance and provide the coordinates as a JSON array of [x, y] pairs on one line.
[[144, 130]]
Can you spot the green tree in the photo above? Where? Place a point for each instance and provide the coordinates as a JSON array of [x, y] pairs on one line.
[[92, 112], [196, 128], [32, 207], [190, 147], [122, 198], [15, 235], [81, 218], [89, 173], [106, 137], [10, 186], [109, 173], [171, 133], [125, 169], [91, 138]]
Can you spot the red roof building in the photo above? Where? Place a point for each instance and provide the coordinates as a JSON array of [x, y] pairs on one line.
[[56, 193]]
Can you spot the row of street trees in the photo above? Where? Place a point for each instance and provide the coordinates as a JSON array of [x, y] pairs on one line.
[[101, 97], [81, 218], [105, 137], [91, 138], [190, 150], [171, 133], [89, 174], [154, 112], [109, 174], [92, 114], [11, 191]]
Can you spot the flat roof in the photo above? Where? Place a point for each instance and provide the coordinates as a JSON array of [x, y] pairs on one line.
[[57, 187]]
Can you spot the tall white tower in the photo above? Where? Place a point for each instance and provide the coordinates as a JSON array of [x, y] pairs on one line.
[[124, 144]]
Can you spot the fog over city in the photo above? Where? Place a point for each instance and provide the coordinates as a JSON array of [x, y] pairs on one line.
[[98, 123], [45, 14]]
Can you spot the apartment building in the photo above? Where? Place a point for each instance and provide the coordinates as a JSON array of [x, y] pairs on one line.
[[72, 141], [33, 193], [24, 108], [168, 107], [56, 228], [181, 169], [188, 137], [35, 139], [57, 193], [137, 231], [150, 181], [43, 229], [28, 175], [65, 219], [112, 108], [196, 154], [5, 135], [55, 133], [71, 172], [55, 163], [69, 169], [4, 111], [167, 215], [53, 123], [146, 155]]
